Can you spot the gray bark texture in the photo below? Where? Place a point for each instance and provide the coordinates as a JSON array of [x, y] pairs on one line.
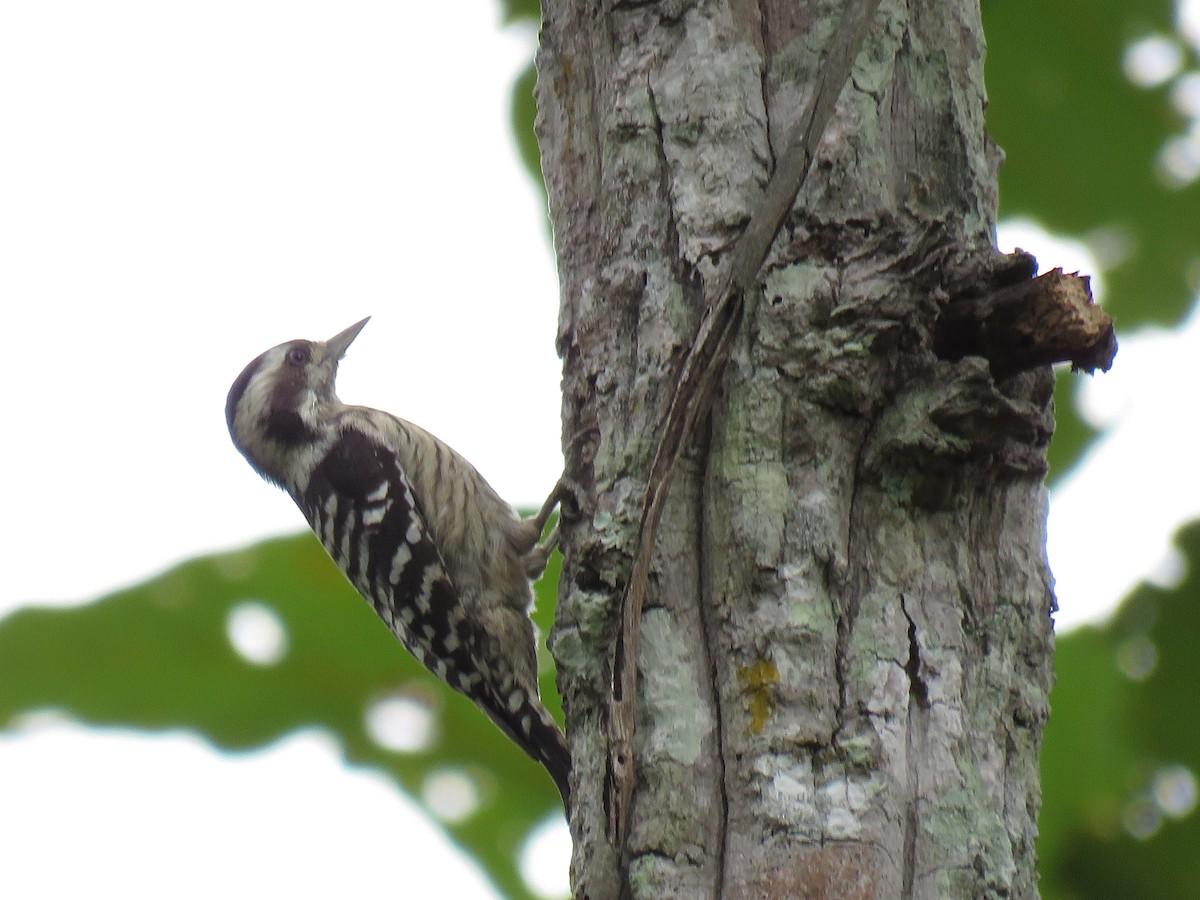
[[846, 645]]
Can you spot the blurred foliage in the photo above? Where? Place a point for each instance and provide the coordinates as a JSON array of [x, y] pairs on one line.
[[1082, 145], [520, 10], [1122, 750], [158, 656], [524, 109]]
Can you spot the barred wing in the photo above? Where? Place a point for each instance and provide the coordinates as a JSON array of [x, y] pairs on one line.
[[361, 506]]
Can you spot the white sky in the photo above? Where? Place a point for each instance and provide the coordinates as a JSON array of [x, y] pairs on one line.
[[185, 185]]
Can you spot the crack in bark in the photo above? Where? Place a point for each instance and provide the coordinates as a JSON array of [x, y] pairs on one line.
[[763, 37], [918, 701], [711, 650], [848, 591], [916, 682], [673, 250]]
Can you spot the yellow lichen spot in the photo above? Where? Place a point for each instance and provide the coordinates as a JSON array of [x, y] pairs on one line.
[[758, 683]]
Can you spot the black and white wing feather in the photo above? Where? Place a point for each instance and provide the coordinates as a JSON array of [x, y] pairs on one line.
[[362, 507]]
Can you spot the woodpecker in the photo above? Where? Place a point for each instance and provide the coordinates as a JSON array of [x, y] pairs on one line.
[[445, 562]]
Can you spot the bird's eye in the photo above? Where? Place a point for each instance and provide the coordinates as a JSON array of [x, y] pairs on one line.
[[298, 356]]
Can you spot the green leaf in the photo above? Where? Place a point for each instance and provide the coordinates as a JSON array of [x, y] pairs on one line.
[[158, 656], [1082, 143], [517, 10], [1122, 750], [524, 110]]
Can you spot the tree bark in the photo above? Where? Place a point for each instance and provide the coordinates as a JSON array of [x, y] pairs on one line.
[[846, 645]]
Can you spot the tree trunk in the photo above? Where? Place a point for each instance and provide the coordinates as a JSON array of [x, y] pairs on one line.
[[845, 650]]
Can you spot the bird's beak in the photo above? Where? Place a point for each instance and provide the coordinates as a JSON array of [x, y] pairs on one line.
[[336, 346]]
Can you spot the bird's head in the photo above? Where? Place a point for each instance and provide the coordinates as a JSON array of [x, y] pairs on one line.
[[282, 403]]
